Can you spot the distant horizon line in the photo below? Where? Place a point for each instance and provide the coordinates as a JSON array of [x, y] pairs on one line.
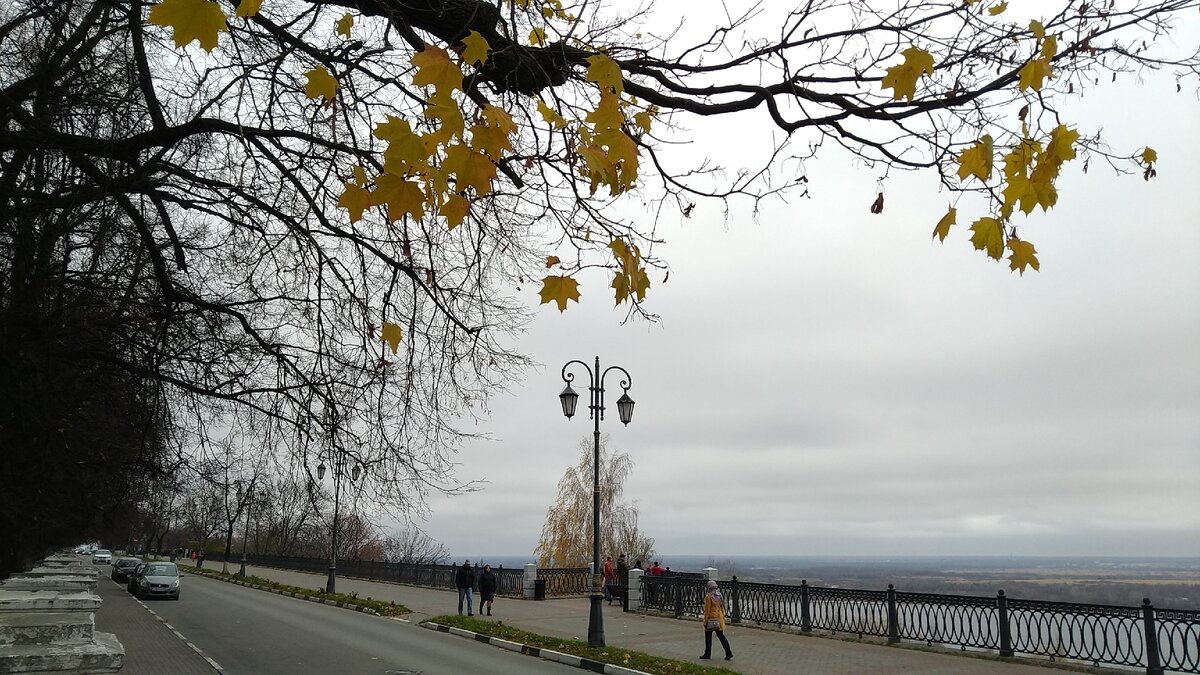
[[1114, 556]]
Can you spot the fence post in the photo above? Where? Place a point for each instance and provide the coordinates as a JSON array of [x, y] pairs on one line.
[[805, 616], [633, 591], [1153, 664], [737, 605], [530, 578], [1006, 648], [677, 584], [893, 619]]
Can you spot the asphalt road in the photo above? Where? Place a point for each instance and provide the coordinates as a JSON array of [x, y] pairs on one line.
[[255, 632]]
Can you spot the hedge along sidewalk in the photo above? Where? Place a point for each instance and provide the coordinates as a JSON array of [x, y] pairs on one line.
[[352, 602], [612, 660]]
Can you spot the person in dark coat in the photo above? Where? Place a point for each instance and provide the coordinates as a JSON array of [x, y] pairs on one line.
[[464, 580], [487, 589]]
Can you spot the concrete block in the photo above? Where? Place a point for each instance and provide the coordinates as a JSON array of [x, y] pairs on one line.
[[32, 628], [104, 654]]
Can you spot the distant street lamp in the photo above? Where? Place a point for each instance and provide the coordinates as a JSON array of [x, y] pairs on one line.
[[569, 398], [339, 470], [246, 532]]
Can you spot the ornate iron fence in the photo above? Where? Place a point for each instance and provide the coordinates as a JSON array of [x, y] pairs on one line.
[[1160, 640], [565, 581], [509, 582]]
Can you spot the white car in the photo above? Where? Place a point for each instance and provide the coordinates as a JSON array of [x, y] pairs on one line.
[[102, 555]]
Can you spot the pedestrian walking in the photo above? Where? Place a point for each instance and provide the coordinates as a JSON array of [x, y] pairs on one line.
[[487, 589], [714, 621], [464, 579], [610, 577], [622, 571]]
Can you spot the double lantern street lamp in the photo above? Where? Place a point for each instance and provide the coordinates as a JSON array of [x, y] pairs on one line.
[[569, 398], [339, 470]]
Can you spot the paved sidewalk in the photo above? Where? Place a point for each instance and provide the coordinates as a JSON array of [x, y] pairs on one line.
[[755, 651], [151, 648]]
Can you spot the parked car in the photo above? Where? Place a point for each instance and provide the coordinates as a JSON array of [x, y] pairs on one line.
[[158, 580], [101, 556], [122, 567], [133, 576]]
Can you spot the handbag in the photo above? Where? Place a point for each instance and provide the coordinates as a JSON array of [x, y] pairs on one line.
[[713, 624]]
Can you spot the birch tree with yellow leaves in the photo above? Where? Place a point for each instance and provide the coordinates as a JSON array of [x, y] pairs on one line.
[[566, 539], [339, 213]]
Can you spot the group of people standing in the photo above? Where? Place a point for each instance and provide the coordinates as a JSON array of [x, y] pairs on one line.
[[464, 581]]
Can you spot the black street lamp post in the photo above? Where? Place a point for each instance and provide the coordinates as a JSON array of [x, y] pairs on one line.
[[246, 532], [569, 398], [339, 470]]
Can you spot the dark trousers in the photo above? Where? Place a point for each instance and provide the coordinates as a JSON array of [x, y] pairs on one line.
[[708, 642]]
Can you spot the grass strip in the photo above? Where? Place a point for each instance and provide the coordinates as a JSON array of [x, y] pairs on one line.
[[610, 654], [380, 607]]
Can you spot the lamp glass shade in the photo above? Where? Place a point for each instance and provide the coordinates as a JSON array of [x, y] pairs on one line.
[[568, 398], [625, 408], [320, 470]]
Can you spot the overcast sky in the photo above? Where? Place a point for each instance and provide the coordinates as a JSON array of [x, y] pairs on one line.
[[829, 382]]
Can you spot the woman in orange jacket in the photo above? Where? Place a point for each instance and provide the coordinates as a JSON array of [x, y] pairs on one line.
[[714, 621]]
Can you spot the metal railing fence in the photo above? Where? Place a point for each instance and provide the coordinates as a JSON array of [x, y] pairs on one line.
[[1159, 640], [509, 582]]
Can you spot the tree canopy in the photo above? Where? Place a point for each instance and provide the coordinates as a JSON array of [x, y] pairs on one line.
[[332, 215]]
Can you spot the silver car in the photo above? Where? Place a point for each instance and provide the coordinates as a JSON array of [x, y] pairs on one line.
[[102, 556], [157, 580]]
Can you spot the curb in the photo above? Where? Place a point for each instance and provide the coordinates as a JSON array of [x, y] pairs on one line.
[[530, 650], [291, 594]]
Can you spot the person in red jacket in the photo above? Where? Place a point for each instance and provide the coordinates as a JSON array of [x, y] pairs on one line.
[[610, 577]]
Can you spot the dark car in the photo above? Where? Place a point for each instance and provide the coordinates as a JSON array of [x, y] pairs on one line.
[[122, 567], [132, 576], [157, 580]]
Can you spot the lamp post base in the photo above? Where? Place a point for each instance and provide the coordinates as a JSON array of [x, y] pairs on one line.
[[596, 621], [332, 579]]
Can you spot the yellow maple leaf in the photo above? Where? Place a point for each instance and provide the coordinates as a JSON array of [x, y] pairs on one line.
[[942, 229], [392, 335], [551, 261], [1022, 255], [320, 83], [1062, 143], [1018, 190], [1034, 74], [449, 115], [537, 37], [344, 25], [360, 174], [455, 210], [248, 8], [977, 160], [406, 151], [435, 68], [1149, 156], [644, 118], [551, 115], [1049, 47], [989, 236], [199, 20], [998, 9], [401, 196], [903, 78], [475, 48], [470, 167], [355, 199], [559, 289], [607, 114], [498, 117], [605, 73], [1037, 29]]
